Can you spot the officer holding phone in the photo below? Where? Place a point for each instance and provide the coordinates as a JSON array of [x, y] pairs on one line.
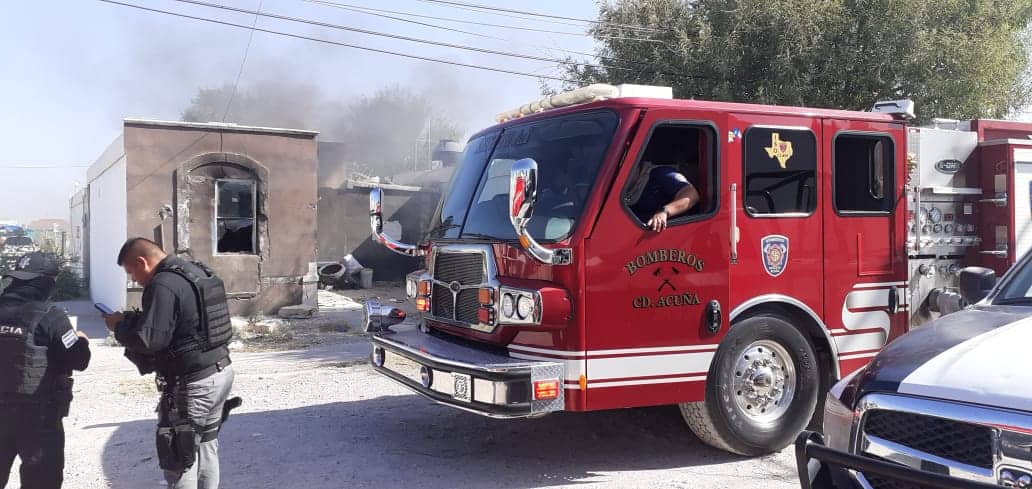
[[39, 348]]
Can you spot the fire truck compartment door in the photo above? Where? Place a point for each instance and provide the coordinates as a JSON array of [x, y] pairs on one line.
[[1022, 201]]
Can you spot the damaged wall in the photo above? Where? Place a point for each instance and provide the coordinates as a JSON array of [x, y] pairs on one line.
[[171, 176]]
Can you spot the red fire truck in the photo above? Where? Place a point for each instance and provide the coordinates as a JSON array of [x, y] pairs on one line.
[[819, 236]]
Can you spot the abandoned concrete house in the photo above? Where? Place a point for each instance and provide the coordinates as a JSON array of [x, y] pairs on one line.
[[241, 199], [263, 207]]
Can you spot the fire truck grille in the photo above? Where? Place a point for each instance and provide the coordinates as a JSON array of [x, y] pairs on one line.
[[464, 268], [953, 440], [463, 308]]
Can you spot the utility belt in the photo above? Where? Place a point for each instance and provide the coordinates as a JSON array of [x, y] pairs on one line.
[[177, 441]]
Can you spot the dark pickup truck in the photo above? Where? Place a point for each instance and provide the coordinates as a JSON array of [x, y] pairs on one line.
[[947, 405]]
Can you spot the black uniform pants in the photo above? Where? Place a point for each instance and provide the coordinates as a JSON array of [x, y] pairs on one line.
[[39, 442]]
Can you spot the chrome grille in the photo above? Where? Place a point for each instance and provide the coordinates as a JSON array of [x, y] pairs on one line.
[[464, 268], [953, 440]]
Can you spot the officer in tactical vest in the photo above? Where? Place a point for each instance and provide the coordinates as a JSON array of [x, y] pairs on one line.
[[38, 351], [182, 333]]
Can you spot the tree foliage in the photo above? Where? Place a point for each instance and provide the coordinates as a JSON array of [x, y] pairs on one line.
[[954, 58], [382, 134]]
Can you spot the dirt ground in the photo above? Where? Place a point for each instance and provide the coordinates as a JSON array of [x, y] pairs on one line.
[[319, 418]]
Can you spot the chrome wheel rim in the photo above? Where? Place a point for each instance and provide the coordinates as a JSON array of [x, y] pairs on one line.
[[764, 381]]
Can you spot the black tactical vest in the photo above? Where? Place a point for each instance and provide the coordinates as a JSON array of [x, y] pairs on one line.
[[23, 364], [214, 330]]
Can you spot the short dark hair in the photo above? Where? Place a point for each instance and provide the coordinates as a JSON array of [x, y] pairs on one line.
[[134, 247]]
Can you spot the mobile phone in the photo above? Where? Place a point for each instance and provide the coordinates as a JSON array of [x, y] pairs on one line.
[[105, 310]]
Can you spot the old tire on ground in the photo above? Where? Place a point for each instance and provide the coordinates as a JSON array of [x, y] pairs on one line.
[[761, 390]]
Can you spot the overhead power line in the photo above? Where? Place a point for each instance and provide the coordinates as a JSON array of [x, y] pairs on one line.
[[484, 24], [397, 36], [338, 43], [469, 5], [243, 61], [373, 12]]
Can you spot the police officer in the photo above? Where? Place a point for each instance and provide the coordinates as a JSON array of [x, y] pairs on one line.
[[38, 351], [182, 333]]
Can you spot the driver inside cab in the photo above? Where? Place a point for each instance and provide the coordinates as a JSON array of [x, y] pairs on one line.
[[660, 191]]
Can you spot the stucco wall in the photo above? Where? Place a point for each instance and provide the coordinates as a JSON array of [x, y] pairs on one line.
[[164, 160]]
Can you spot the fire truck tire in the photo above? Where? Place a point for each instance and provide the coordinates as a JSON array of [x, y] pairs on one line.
[[763, 364]]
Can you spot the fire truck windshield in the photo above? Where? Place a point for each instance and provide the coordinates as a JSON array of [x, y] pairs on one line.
[[568, 150]]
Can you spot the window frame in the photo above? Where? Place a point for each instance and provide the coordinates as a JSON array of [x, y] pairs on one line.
[[254, 217], [889, 193], [816, 172], [714, 180]]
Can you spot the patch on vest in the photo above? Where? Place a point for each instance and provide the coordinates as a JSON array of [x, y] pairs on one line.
[[69, 339], [11, 330]]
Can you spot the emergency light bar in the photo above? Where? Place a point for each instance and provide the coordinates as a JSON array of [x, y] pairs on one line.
[[583, 95]]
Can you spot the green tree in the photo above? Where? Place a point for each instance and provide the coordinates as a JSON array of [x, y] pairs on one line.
[[954, 58]]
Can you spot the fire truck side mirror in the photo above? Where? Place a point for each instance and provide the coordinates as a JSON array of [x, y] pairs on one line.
[[522, 192], [376, 226], [976, 283]]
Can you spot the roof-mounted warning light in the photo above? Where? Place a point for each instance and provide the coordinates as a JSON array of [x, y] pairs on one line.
[[583, 95], [903, 109]]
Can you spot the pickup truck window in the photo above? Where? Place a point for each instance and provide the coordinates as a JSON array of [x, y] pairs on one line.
[[1018, 290]]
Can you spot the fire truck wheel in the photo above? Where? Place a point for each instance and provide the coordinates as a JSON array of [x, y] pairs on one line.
[[761, 390]]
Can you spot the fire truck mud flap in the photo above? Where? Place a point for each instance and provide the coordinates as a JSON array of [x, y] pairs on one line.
[[463, 376]]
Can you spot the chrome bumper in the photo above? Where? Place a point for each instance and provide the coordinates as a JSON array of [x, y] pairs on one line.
[[462, 375]]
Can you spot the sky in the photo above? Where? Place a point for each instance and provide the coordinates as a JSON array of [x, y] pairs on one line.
[[74, 69]]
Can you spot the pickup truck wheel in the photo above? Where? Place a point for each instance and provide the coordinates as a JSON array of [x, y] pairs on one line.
[[761, 390]]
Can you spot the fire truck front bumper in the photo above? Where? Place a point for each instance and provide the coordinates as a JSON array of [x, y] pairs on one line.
[[821, 467], [462, 375]]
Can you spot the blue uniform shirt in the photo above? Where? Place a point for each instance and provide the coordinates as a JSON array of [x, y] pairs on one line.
[[664, 183]]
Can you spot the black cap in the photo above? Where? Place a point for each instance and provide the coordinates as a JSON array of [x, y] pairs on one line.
[[34, 265]]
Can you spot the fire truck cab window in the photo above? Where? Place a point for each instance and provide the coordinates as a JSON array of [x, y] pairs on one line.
[[568, 151], [677, 152], [780, 171], [863, 172]]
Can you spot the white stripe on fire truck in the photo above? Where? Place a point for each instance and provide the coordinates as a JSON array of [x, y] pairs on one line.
[[668, 380], [859, 342], [858, 355], [877, 284], [618, 351], [635, 367]]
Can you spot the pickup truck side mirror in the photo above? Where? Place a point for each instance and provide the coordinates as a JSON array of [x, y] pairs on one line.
[[376, 225], [976, 283]]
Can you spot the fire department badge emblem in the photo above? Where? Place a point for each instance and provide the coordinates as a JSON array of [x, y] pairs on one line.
[[779, 150], [774, 249]]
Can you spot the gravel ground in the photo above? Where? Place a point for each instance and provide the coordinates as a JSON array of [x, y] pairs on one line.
[[319, 418]]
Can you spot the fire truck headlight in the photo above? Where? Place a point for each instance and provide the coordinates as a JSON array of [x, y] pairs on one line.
[[410, 288], [524, 307], [508, 306]]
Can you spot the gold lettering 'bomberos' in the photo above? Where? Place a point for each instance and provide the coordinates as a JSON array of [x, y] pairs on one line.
[[664, 255]]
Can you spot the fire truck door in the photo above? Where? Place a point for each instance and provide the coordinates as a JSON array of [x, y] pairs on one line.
[[778, 210], [656, 302], [864, 238]]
